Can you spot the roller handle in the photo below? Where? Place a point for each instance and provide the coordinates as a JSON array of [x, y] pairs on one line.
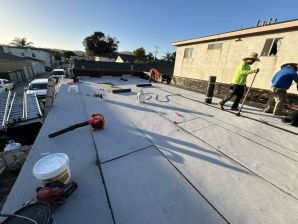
[[70, 128]]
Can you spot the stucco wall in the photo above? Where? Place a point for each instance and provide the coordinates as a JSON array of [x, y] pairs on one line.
[[223, 62]]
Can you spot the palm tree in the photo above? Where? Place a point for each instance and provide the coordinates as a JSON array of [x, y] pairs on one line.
[[21, 42], [169, 56]]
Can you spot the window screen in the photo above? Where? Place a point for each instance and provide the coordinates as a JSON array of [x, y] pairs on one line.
[[188, 52], [271, 47], [214, 46], [267, 47]]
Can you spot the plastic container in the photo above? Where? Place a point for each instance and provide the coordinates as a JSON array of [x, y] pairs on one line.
[[12, 145], [73, 89], [141, 96], [41, 213], [101, 93], [54, 167]]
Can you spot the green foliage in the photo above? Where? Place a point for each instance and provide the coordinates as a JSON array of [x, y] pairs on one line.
[[169, 56], [57, 55], [21, 42], [98, 44], [149, 58], [140, 52], [68, 54]]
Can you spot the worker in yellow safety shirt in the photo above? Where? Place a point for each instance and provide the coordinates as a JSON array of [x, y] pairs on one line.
[[239, 81], [154, 75]]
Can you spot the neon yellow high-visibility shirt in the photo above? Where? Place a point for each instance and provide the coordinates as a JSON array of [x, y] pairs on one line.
[[241, 74]]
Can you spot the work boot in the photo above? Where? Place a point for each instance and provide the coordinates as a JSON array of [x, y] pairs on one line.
[[234, 109], [221, 105], [279, 114], [268, 111]]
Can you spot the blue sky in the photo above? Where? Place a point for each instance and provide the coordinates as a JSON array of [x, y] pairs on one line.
[[63, 24]]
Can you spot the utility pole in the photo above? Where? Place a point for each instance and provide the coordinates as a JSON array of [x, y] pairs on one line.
[[156, 47]]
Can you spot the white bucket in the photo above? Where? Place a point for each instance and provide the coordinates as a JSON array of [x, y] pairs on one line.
[[12, 145], [54, 167]]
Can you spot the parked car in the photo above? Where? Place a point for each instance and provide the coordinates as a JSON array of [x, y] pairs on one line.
[[6, 85], [38, 87], [58, 73]]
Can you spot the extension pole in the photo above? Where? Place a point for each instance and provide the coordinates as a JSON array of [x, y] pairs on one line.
[[238, 114]]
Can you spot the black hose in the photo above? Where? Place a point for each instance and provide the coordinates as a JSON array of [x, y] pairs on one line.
[[247, 117], [70, 128], [18, 216]]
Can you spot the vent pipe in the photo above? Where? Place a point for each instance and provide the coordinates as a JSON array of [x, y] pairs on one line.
[[258, 23]]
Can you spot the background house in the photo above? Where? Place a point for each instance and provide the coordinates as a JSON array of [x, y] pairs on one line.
[[38, 66], [41, 54], [220, 54], [104, 59], [127, 58], [16, 69]]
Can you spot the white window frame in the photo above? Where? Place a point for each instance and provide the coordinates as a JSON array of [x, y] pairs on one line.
[[271, 46], [188, 53], [215, 46]]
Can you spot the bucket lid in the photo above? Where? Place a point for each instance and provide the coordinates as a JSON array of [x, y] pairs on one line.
[[39, 212], [50, 166]]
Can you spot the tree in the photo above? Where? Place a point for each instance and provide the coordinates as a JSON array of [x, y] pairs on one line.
[[140, 52], [169, 56], [21, 42], [57, 55], [149, 58], [68, 54], [99, 44]]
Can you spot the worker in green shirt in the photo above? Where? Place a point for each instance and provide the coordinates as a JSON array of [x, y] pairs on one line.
[[239, 81]]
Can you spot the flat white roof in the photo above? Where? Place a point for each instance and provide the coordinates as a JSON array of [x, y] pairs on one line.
[[173, 159]]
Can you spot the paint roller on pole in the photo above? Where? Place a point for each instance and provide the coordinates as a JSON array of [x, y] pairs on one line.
[[239, 112]]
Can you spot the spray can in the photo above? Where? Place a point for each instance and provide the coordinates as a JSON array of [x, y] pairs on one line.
[[141, 96]]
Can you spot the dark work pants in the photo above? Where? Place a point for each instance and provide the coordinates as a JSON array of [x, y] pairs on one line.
[[238, 91]]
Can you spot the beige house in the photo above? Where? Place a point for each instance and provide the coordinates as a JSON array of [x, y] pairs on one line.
[[220, 54], [104, 59]]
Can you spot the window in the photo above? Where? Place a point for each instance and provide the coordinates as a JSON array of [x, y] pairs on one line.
[[38, 86], [33, 55], [214, 46], [188, 53], [1, 49], [23, 54], [271, 47], [58, 73]]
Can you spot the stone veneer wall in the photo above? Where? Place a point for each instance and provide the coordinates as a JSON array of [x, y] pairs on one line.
[[256, 97]]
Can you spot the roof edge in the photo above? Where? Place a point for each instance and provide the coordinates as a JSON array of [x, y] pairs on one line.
[[237, 33]]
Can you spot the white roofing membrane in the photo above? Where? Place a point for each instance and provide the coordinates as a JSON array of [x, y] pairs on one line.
[[169, 160]]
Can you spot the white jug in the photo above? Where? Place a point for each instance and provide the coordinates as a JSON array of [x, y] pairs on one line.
[[141, 96]]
